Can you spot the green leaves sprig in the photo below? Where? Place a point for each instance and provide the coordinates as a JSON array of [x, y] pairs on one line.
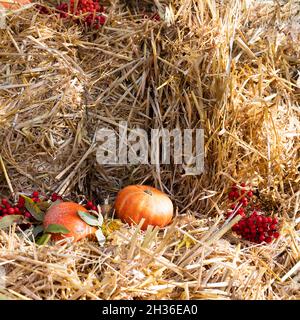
[[95, 222], [33, 208]]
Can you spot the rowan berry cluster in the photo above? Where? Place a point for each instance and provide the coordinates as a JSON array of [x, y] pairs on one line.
[[7, 208], [241, 200], [19, 208], [254, 225], [257, 228], [90, 12], [90, 206]]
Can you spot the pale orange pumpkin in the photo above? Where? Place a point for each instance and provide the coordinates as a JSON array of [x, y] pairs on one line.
[[66, 214], [135, 202], [13, 4]]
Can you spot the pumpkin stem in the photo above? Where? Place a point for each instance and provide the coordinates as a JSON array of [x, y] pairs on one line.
[[148, 192]]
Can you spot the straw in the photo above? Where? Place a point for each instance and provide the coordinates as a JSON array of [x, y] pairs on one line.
[[229, 68]]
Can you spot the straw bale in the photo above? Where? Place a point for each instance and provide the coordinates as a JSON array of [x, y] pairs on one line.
[[228, 67]]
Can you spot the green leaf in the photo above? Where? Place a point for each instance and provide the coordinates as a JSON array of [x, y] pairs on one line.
[[44, 205], [44, 239], [8, 221], [56, 228], [100, 237], [32, 207], [89, 219]]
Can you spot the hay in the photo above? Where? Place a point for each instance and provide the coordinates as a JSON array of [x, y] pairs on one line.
[[135, 265], [228, 67]]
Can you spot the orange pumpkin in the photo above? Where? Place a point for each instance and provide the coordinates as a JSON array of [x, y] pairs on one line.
[[133, 203], [65, 214], [13, 4]]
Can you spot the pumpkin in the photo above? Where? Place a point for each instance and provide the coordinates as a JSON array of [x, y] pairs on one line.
[[135, 202], [66, 214], [13, 4]]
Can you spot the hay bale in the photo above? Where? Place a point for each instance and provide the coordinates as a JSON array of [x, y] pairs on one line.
[[234, 77], [230, 69]]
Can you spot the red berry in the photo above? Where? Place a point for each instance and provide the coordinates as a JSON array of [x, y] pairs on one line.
[[275, 221], [35, 194], [21, 200], [236, 194], [102, 20], [251, 223], [235, 228], [250, 194], [268, 239], [27, 214], [244, 202], [241, 212], [264, 220], [17, 210], [94, 208], [243, 185], [5, 211], [269, 220], [11, 211], [259, 219], [4, 201], [272, 227], [54, 197], [89, 204], [276, 235], [231, 195]]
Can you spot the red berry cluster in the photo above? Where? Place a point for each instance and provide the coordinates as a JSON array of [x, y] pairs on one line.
[[92, 12], [91, 206], [7, 208], [257, 228], [54, 197], [241, 199], [19, 208], [253, 226]]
